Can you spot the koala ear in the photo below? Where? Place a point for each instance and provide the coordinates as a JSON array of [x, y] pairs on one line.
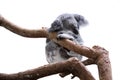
[[80, 19], [77, 17], [56, 26]]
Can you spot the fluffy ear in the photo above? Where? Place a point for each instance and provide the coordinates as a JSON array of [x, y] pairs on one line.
[[56, 26], [80, 19]]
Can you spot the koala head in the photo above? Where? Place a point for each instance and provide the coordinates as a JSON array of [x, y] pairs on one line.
[[70, 22]]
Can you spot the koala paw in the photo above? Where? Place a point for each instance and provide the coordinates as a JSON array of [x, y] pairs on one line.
[[64, 36]]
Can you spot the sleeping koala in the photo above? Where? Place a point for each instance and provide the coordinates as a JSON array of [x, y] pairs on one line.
[[67, 27]]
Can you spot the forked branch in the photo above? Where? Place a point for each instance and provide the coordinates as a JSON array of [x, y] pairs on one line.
[[72, 65]]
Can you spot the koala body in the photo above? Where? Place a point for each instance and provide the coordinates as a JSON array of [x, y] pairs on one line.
[[67, 27]]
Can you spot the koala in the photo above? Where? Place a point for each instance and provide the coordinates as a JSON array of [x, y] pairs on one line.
[[67, 27]]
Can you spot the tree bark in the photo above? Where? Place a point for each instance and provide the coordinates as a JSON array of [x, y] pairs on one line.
[[71, 65], [96, 55], [39, 33]]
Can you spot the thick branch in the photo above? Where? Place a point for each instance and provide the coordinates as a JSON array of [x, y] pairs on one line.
[[72, 65], [103, 63]]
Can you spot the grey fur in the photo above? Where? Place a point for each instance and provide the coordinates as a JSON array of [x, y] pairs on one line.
[[67, 27]]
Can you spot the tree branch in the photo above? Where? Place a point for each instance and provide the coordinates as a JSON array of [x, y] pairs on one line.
[[97, 55], [21, 31], [103, 63], [71, 65]]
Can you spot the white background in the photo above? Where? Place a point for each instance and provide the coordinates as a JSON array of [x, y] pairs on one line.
[[19, 54]]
